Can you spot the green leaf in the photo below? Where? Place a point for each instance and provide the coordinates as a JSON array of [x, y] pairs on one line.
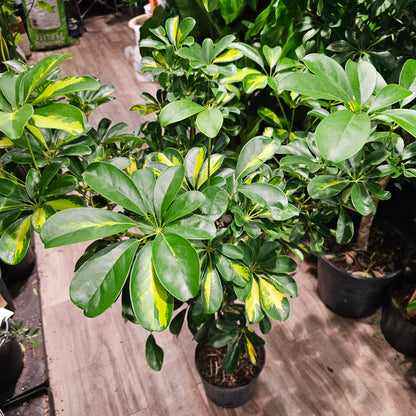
[[178, 111], [362, 77], [193, 162], [253, 304], [272, 55], [40, 71], [254, 82], [408, 79], [176, 324], [145, 181], [267, 196], [67, 85], [13, 124], [98, 282], [387, 96], [177, 265], [312, 86], [230, 250], [66, 202], [232, 271], [231, 358], [265, 325], [254, 153], [15, 240], [83, 224], [362, 200], [215, 203], [326, 186], [250, 52], [59, 116], [192, 227], [151, 303], [332, 71], [209, 121], [273, 301], [154, 354], [61, 185], [215, 163], [345, 228], [13, 190], [183, 205], [342, 134], [167, 186], [403, 117], [211, 290], [113, 184], [278, 264], [39, 217]]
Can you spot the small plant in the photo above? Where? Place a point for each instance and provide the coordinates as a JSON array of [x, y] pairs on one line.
[[18, 332]]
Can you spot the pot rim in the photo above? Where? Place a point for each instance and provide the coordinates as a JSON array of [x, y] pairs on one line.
[[237, 388]]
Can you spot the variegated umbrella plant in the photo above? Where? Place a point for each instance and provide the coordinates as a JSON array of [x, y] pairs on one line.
[[169, 241], [41, 136]]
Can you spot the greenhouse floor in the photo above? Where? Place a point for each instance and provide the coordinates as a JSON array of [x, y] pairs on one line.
[[317, 362]]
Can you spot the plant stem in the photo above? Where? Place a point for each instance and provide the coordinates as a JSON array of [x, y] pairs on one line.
[[31, 152]]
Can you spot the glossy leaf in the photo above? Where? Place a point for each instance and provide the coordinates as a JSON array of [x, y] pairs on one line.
[[408, 79], [278, 264], [254, 153], [15, 240], [176, 324], [154, 354], [113, 184], [83, 224], [254, 82], [345, 228], [59, 116], [231, 358], [61, 185], [232, 270], [178, 111], [13, 190], [177, 265], [67, 85], [230, 250], [183, 205], [209, 122], [405, 118], [39, 217], [193, 162], [342, 134], [167, 186], [362, 77], [151, 303], [192, 227], [13, 124], [98, 282], [273, 302], [211, 290], [253, 304], [326, 186], [387, 96], [362, 200], [215, 163], [215, 203]]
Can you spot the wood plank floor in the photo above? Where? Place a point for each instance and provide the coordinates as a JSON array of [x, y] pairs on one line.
[[317, 363]]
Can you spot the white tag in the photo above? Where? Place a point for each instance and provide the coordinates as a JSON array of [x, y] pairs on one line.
[[5, 314]]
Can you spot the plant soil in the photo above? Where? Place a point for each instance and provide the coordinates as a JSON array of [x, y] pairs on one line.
[[209, 362], [384, 255]]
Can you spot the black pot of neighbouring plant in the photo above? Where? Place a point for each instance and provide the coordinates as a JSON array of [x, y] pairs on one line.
[[228, 390], [350, 284], [11, 361], [398, 322]]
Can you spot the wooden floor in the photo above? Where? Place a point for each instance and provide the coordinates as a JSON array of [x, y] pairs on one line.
[[317, 363]]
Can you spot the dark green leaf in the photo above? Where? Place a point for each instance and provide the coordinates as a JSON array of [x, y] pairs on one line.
[[154, 354]]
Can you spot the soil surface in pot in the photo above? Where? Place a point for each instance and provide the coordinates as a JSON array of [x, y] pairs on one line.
[[209, 362], [384, 255]]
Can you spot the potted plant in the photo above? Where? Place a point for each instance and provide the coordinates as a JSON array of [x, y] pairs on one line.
[[357, 149]]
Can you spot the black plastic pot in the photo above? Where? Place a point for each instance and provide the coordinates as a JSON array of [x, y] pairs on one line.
[[11, 364], [399, 332], [230, 397], [15, 276], [355, 296]]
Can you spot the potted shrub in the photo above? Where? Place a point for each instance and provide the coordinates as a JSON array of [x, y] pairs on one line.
[[356, 149]]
